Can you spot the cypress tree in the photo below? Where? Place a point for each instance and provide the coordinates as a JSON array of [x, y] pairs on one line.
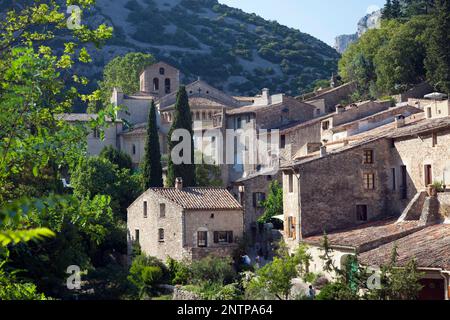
[[387, 10], [396, 9], [152, 169], [437, 62], [182, 120]]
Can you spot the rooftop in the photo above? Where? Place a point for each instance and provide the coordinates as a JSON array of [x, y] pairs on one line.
[[256, 108], [430, 247], [200, 198], [368, 236], [81, 117]]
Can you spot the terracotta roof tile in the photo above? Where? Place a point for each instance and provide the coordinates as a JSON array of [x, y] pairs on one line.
[[430, 248], [200, 198], [368, 236]]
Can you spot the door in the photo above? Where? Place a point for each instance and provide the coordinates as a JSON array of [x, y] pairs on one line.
[[428, 175]]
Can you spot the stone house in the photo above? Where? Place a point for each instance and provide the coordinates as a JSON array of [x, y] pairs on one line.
[[378, 175], [185, 223]]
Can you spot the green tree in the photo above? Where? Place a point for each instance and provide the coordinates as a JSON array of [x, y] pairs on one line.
[[438, 51], [273, 205], [396, 9], [275, 278], [97, 176], [182, 120], [152, 168], [387, 10], [118, 157], [145, 273], [121, 72]]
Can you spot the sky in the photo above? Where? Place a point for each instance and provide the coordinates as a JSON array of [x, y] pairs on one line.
[[323, 19]]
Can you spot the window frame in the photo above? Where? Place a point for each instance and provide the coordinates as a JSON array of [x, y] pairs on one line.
[[362, 215], [161, 235], [145, 209], [162, 210], [368, 156], [204, 240], [366, 181]]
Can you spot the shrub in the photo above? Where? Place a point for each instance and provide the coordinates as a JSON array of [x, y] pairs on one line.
[[179, 272], [145, 273], [213, 269]]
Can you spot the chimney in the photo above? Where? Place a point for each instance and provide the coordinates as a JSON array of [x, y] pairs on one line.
[[266, 96], [323, 151], [399, 121], [179, 183], [340, 109]]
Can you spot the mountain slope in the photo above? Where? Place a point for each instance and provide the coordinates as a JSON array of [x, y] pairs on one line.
[[234, 51]]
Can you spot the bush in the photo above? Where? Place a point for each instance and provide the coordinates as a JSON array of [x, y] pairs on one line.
[[213, 269], [145, 273], [120, 158], [179, 272], [336, 291]]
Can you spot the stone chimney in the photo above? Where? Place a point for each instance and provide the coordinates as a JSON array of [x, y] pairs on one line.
[[179, 183], [399, 121], [266, 96], [340, 109]]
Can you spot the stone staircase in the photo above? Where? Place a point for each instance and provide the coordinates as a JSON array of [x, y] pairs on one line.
[[427, 210]]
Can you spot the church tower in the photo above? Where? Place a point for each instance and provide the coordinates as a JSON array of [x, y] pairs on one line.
[[159, 79]]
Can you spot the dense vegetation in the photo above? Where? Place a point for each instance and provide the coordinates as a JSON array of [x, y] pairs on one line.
[[411, 46]]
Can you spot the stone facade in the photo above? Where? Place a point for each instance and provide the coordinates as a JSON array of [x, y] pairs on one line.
[[159, 79], [168, 229]]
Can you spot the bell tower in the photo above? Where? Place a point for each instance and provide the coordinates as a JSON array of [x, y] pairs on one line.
[[159, 79]]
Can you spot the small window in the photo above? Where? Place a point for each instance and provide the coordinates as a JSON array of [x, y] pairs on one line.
[[239, 123], [325, 125], [223, 237], [291, 183], [361, 212], [145, 209], [318, 112], [202, 239], [291, 228], [167, 86], [283, 141], [162, 210], [394, 179], [155, 84], [429, 113], [161, 235], [162, 71], [435, 139], [369, 181], [258, 198], [136, 235], [134, 149], [368, 156]]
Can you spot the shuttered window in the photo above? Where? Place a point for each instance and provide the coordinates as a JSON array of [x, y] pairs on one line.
[[223, 237]]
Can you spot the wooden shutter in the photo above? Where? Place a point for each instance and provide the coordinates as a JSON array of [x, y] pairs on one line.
[[230, 236]]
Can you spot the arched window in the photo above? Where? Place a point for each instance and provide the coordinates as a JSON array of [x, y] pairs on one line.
[[203, 115], [167, 85], [156, 84], [162, 71]]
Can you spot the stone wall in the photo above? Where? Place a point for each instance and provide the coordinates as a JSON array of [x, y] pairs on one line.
[[335, 96]]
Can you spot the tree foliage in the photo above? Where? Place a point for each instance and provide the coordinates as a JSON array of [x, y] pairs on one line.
[[182, 120], [151, 167], [273, 205], [117, 157]]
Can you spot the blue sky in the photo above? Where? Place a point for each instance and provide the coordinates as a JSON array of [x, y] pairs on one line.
[[323, 19]]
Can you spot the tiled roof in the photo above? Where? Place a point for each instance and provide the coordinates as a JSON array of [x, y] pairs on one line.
[[368, 236], [200, 102], [200, 198], [422, 127], [256, 108], [430, 248]]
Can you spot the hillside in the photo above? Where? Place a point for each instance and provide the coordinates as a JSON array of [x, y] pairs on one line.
[[234, 51]]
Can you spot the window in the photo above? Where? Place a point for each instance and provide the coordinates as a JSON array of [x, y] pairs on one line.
[[167, 86], [162, 71], [394, 178], [223, 237], [318, 112], [155, 84], [197, 115], [428, 175], [161, 235], [283, 141], [202, 239], [429, 113], [368, 156], [291, 183], [136, 235], [134, 149], [239, 123], [369, 181], [361, 212], [162, 210], [291, 228], [434, 138], [325, 125], [258, 197], [145, 209]]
